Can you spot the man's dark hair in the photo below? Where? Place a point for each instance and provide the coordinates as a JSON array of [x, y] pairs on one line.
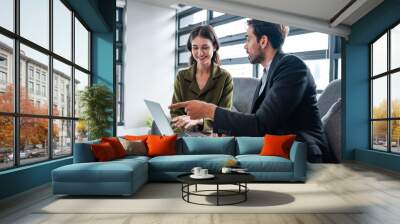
[[276, 33]]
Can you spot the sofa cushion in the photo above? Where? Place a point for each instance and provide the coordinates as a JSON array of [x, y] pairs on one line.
[[135, 147], [208, 145], [116, 145], [249, 145], [257, 163], [112, 171], [159, 145], [185, 163], [277, 145], [103, 152]]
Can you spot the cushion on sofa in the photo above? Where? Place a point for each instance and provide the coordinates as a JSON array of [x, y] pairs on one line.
[[208, 145], [257, 163], [103, 152], [98, 172], [277, 145], [185, 163], [134, 147], [249, 145], [161, 145], [116, 145]]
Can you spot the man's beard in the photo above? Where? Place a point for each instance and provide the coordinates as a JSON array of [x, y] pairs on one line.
[[258, 58]]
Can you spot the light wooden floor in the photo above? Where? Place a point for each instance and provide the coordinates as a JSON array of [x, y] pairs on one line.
[[378, 188]]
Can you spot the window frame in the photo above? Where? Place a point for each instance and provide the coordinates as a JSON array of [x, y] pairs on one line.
[[388, 74], [16, 114], [119, 61], [333, 53]]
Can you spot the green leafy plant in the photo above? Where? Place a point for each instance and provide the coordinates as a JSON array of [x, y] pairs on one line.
[[148, 122], [96, 102]]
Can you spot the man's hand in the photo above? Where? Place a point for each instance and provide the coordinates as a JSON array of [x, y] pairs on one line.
[[185, 122], [196, 109]]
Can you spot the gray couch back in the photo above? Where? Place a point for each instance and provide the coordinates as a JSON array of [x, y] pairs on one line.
[[243, 93]]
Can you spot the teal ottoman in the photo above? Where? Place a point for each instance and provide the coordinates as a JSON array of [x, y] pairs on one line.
[[118, 177]]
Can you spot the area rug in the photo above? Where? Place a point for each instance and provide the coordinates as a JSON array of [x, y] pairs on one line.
[[167, 198]]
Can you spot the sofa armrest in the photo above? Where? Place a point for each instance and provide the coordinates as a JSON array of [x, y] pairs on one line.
[[298, 155], [83, 152]]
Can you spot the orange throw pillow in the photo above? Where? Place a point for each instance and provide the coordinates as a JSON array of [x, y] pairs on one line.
[[136, 137], [161, 145], [277, 145], [116, 145], [103, 152]]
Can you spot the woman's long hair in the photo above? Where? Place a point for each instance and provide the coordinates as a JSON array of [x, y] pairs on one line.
[[204, 31]]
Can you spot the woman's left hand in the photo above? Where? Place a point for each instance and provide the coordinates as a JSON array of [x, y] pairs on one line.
[[185, 122]]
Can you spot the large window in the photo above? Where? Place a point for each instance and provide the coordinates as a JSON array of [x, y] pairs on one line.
[[385, 94], [44, 64], [321, 52]]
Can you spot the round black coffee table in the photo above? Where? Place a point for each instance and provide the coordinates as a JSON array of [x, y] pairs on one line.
[[238, 179]]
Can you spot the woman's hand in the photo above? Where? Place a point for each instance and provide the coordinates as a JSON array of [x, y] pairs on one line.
[[185, 122]]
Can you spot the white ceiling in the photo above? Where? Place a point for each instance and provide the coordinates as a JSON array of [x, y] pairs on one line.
[[315, 15]]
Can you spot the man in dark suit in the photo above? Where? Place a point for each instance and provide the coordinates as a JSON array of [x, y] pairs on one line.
[[284, 102]]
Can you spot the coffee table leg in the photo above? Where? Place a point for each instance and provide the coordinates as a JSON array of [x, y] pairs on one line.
[[217, 194], [196, 188], [245, 191]]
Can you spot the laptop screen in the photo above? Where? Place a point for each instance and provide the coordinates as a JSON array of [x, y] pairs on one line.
[[159, 117]]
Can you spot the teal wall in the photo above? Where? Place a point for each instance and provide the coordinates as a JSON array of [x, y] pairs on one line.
[[24, 178], [356, 92], [99, 15], [103, 64]]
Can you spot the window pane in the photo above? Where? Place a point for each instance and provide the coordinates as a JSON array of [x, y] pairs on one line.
[[339, 68], [35, 21], [81, 131], [320, 71], [395, 95], [395, 47], [379, 135], [239, 70], [231, 28], [62, 29], [62, 138], [216, 14], [395, 136], [379, 55], [379, 98], [7, 14], [183, 39], [81, 81], [6, 74], [184, 57], [36, 64], [193, 19], [6, 142], [62, 89], [33, 139], [306, 42], [232, 51], [81, 45]]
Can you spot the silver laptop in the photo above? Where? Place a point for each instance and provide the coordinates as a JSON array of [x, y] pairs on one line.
[[162, 121]]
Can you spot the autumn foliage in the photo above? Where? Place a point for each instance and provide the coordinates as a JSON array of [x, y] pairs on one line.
[[33, 131], [380, 127]]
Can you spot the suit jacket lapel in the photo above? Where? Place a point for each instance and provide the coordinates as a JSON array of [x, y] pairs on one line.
[[279, 54]]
